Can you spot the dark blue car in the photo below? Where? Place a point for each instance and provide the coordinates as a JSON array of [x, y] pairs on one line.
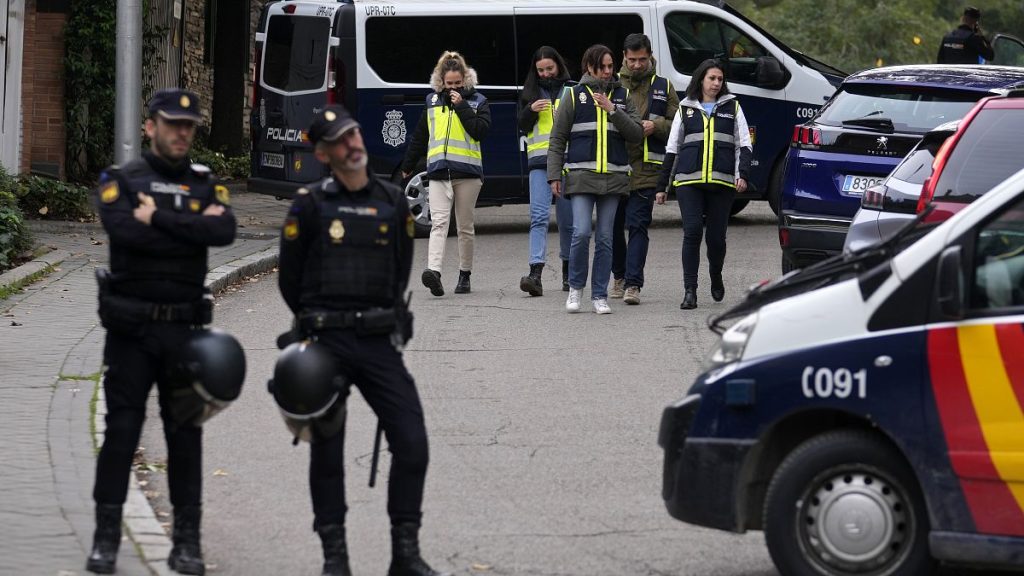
[[859, 136]]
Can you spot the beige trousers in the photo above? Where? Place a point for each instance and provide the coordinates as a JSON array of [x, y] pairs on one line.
[[443, 193]]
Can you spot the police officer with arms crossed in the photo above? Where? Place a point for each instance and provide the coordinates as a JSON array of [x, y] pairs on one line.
[[966, 44], [161, 214], [346, 254]]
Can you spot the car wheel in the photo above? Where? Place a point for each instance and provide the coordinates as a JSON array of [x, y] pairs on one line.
[[738, 206], [417, 195], [846, 504]]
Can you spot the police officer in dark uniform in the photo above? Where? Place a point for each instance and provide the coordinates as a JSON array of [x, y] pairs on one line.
[[346, 254], [966, 44], [161, 213]]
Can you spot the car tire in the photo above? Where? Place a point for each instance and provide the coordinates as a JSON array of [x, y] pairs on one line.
[[845, 503], [738, 206]]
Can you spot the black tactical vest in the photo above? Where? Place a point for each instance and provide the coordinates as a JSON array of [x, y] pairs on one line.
[[355, 245]]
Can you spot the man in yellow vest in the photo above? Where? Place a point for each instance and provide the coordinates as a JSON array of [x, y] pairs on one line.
[[657, 102]]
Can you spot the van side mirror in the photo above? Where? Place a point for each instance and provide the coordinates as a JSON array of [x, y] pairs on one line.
[[949, 284], [769, 73]]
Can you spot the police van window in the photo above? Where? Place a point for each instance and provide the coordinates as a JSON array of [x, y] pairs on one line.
[[999, 261], [576, 32], [694, 38], [404, 50], [295, 57]]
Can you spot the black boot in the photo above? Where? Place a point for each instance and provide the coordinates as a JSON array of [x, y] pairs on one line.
[[462, 287], [106, 540], [689, 299], [405, 553], [717, 287], [531, 284], [565, 275], [432, 279], [186, 555], [332, 536]]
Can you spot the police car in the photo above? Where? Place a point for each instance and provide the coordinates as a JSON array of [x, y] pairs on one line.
[[867, 412]]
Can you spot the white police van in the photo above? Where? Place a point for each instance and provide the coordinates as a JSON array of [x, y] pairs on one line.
[[375, 57], [867, 412]]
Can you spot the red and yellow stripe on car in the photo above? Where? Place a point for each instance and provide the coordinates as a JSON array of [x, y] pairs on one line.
[[977, 374]]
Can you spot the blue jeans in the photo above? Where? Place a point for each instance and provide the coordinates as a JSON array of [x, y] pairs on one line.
[[540, 211], [579, 253], [634, 214]]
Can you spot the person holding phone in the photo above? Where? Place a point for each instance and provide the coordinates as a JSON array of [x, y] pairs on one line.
[[966, 44], [454, 122]]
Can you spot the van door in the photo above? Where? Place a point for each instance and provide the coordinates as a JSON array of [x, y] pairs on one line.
[[399, 45], [295, 80], [774, 89], [977, 371]]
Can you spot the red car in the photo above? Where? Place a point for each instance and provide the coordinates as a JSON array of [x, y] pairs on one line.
[[985, 150]]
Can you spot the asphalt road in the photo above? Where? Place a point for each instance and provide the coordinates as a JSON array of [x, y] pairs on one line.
[[543, 425]]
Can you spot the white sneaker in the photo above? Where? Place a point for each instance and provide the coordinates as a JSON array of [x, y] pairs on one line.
[[601, 306], [572, 303]]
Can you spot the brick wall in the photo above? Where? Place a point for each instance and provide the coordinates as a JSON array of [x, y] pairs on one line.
[[43, 138]]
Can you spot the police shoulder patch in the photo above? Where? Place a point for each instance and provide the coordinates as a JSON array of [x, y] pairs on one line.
[[109, 192], [223, 196], [291, 228]]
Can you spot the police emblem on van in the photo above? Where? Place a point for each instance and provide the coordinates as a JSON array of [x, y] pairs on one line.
[[394, 128]]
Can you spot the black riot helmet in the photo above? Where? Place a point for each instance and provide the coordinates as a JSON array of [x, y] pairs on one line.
[[309, 390], [207, 376]]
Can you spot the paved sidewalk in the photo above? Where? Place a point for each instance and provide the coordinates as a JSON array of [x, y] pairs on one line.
[[50, 356]]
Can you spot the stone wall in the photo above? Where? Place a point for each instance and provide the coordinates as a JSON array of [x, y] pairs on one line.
[[197, 76]]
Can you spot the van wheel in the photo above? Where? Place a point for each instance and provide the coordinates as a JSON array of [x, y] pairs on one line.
[[419, 203], [775, 185], [738, 206], [846, 504]]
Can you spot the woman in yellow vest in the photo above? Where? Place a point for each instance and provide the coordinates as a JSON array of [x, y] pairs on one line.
[[594, 121], [538, 101], [708, 161], [456, 118]]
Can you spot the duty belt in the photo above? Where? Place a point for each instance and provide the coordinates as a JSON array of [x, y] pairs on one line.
[[371, 321]]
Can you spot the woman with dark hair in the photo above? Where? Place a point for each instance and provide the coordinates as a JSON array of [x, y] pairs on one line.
[[708, 161], [592, 125], [454, 121], [539, 100]]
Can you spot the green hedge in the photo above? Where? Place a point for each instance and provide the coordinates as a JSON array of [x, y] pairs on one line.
[[14, 234], [53, 199]]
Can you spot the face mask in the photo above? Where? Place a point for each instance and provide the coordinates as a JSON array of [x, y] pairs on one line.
[[546, 83]]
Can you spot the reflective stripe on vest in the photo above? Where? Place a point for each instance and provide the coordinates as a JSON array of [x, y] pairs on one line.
[[449, 145], [657, 107], [595, 144], [537, 139], [711, 136]]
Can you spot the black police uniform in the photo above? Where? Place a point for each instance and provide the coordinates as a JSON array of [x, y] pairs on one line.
[[964, 46], [344, 267], [151, 301]]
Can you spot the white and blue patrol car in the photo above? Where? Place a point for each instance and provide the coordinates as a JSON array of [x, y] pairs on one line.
[[867, 412]]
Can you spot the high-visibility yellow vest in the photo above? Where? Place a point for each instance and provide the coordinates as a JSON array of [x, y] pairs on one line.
[[450, 146]]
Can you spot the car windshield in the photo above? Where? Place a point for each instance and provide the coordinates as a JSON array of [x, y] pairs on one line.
[[909, 108]]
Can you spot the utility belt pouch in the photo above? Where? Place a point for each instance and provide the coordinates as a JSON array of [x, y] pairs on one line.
[[114, 315]]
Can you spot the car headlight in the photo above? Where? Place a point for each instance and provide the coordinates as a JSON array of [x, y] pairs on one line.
[[731, 345]]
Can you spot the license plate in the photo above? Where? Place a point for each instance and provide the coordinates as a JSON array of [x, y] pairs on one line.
[[271, 160], [856, 185]]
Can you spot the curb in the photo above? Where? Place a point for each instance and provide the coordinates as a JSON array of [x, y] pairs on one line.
[[143, 527], [16, 277]]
